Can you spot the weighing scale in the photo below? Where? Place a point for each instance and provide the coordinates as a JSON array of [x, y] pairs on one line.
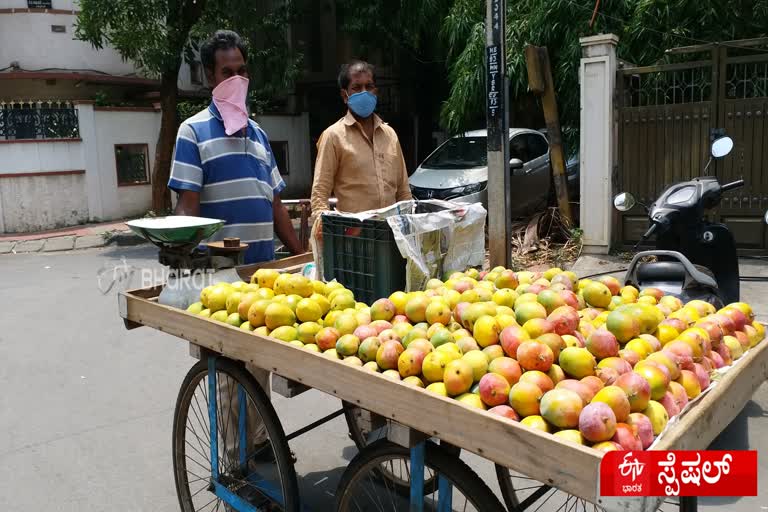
[[192, 267]]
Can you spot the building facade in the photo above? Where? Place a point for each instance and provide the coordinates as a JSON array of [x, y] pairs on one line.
[[71, 150]]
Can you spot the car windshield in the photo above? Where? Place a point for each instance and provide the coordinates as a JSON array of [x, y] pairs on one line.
[[459, 153]]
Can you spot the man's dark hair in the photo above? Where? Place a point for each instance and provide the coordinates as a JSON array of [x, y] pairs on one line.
[[356, 66], [220, 40]]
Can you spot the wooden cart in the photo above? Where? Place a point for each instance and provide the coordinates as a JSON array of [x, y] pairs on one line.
[[569, 467]]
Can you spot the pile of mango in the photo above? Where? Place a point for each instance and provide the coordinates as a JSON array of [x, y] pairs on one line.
[[589, 361]]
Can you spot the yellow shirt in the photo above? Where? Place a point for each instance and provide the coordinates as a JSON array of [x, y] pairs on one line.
[[362, 174]]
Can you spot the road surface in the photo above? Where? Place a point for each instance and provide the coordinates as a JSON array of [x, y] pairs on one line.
[[87, 406]]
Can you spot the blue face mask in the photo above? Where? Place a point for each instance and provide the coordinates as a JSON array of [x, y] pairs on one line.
[[362, 103]]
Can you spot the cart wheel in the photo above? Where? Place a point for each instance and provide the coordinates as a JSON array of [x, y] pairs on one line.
[[254, 461], [521, 493], [362, 489], [365, 428]]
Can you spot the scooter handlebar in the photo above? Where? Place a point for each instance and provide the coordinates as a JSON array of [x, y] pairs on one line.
[[732, 185]]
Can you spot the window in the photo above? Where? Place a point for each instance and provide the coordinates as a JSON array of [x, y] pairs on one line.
[[38, 120], [459, 153], [39, 4], [132, 164], [280, 150], [59, 29], [537, 145], [527, 146]]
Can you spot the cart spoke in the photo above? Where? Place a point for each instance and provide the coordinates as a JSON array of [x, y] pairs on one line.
[[202, 454], [208, 504]]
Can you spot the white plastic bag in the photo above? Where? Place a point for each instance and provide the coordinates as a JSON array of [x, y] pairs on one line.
[[435, 237]]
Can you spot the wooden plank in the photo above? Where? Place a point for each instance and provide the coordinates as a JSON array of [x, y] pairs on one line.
[[570, 467], [147, 293], [404, 436], [701, 424], [291, 264], [286, 387], [642, 70]]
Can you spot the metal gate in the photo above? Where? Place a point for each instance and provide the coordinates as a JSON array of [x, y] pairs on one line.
[[667, 117]]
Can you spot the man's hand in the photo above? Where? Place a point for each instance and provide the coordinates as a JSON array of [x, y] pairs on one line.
[[317, 228], [284, 227]]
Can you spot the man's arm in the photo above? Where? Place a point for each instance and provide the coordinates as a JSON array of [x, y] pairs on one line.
[[188, 203], [326, 166], [403, 189], [186, 172], [284, 227]]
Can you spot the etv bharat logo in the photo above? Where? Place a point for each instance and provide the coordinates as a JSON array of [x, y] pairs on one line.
[[631, 468], [107, 277]]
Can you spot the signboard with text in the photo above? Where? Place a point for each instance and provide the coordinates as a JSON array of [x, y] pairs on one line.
[[39, 4], [495, 99], [679, 473]]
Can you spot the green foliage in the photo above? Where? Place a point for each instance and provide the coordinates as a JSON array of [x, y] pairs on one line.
[[273, 64], [187, 108], [157, 34], [646, 28], [152, 33]]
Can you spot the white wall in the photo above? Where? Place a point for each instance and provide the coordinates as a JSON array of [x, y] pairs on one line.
[[55, 4], [295, 130], [40, 157], [28, 39], [30, 203], [121, 127], [33, 203]]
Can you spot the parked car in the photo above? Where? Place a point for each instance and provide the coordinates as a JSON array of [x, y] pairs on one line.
[[458, 171]]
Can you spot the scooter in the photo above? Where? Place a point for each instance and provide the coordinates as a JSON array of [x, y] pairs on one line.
[[695, 258]]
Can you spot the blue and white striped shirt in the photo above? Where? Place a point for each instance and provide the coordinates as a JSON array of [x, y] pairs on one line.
[[237, 177]]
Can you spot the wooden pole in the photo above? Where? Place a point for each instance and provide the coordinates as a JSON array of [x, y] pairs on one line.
[[540, 82], [497, 101]]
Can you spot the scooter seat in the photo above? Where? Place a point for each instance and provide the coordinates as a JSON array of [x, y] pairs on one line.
[[660, 271]]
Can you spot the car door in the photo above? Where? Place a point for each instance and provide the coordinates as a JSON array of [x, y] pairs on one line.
[[530, 186]]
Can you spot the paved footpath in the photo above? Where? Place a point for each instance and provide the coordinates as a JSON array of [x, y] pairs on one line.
[[67, 239]]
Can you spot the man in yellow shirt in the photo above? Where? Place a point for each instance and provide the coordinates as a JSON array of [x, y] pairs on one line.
[[359, 159]]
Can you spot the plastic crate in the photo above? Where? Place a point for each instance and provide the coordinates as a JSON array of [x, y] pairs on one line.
[[363, 256]]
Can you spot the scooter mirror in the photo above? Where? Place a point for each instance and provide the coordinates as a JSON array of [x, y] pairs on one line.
[[624, 201], [766, 217], [722, 147]]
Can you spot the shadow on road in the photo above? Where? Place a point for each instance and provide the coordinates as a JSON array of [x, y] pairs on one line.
[[318, 489]]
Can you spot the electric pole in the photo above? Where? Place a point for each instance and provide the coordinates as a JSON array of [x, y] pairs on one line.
[[497, 106]]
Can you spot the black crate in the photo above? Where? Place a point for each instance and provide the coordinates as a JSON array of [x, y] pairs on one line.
[[363, 256]]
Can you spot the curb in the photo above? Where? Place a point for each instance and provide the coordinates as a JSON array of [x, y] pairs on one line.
[[126, 238], [69, 242]]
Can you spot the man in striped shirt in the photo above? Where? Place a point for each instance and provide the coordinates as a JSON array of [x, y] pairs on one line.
[[229, 174], [231, 177]]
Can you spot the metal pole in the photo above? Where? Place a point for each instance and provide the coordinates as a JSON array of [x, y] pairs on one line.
[[417, 477], [497, 101]]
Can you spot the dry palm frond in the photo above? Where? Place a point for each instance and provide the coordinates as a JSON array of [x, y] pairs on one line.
[[544, 240]]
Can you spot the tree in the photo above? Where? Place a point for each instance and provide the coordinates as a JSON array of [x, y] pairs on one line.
[[157, 34], [646, 29]]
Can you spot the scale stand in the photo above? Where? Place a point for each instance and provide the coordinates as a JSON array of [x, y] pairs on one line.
[[190, 268]]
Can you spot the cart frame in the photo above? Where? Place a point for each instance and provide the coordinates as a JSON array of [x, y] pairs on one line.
[[570, 467]]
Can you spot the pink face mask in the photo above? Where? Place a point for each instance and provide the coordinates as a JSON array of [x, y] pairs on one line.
[[229, 97]]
